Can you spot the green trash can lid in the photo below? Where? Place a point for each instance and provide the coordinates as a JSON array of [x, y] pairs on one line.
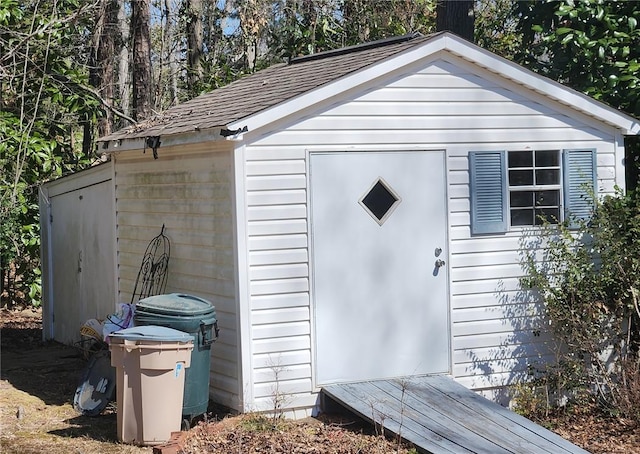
[[152, 333], [175, 304]]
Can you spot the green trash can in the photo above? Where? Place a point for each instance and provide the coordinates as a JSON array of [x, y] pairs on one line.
[[197, 317]]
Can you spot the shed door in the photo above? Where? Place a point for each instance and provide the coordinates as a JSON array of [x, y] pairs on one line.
[[82, 258], [379, 265]]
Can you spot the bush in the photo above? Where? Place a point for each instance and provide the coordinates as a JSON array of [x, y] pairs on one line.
[[589, 282]]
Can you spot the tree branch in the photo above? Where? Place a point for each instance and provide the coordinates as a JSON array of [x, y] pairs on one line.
[[65, 80], [42, 29]]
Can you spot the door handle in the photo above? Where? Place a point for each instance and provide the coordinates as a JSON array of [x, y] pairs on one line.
[[440, 263]]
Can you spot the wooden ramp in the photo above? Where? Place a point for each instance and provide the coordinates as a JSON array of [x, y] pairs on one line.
[[438, 415]]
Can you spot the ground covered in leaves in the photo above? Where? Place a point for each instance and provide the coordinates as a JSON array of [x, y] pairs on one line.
[[595, 431], [254, 433], [38, 381]]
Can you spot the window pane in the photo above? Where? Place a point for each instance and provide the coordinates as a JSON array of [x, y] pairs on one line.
[[379, 200], [520, 159], [547, 158], [548, 176], [550, 215], [547, 198], [539, 172], [521, 199], [522, 217], [520, 177]]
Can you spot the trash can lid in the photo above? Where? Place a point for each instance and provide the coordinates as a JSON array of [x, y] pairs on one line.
[[175, 304], [97, 386], [152, 333]]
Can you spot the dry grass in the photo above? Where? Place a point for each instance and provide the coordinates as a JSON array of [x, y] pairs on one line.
[[36, 414], [36, 394], [31, 425]]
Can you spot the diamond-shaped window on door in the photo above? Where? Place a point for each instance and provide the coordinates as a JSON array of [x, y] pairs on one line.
[[380, 201]]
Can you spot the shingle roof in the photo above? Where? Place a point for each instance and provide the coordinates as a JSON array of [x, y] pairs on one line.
[[266, 88]]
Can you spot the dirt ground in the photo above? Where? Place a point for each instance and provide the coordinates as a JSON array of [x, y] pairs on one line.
[[38, 381]]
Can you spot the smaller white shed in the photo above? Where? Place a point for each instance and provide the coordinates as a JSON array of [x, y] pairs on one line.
[[78, 251], [356, 214]]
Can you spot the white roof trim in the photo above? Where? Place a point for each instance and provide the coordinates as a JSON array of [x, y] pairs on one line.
[[457, 46], [138, 143], [541, 84]]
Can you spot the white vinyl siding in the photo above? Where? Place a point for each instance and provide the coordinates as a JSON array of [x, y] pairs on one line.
[[496, 332], [189, 191], [279, 279]]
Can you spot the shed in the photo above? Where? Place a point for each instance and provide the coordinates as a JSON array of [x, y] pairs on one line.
[[356, 214], [78, 251]]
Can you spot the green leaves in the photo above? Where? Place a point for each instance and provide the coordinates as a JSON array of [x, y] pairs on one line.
[[592, 46], [590, 283], [41, 107]]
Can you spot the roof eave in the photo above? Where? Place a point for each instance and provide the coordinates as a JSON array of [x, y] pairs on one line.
[[113, 144]]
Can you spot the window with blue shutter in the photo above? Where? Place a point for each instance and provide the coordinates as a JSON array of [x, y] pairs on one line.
[[579, 184], [529, 187], [488, 192]]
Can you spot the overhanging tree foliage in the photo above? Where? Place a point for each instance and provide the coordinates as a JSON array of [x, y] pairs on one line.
[[592, 46], [42, 102]]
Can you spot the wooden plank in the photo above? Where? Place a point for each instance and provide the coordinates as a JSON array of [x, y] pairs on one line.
[[420, 394], [432, 410], [480, 404], [356, 398], [439, 415]]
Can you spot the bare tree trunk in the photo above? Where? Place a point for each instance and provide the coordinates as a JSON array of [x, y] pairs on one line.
[[102, 56], [140, 16], [123, 60], [170, 49], [193, 9], [456, 16]]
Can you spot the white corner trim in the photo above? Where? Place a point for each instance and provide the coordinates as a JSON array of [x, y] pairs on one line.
[[46, 252], [114, 226], [245, 354], [619, 153]]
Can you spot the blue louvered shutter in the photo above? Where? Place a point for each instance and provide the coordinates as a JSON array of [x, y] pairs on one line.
[[579, 168], [488, 186]]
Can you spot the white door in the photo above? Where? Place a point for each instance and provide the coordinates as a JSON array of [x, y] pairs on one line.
[[82, 258], [379, 265]]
